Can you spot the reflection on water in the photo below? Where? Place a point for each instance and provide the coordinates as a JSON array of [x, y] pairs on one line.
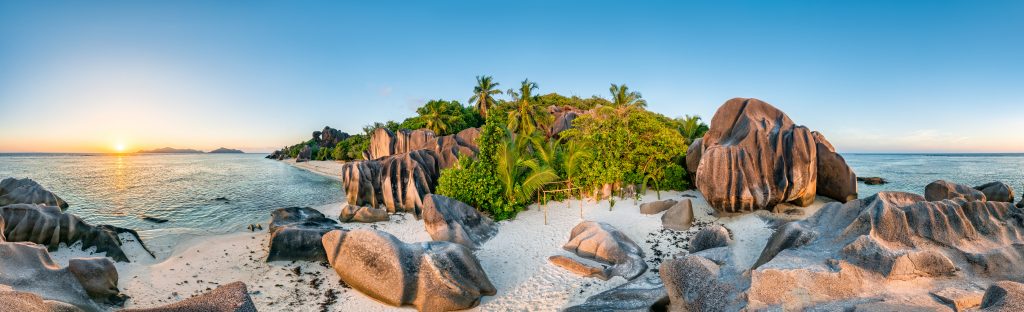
[[911, 172], [189, 190]]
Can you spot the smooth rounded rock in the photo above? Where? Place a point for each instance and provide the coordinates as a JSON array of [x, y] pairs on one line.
[[711, 237]]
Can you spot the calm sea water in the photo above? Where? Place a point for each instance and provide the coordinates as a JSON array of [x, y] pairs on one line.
[[911, 172], [183, 188]]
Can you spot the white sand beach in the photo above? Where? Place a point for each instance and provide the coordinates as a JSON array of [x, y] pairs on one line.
[[327, 168], [515, 260]]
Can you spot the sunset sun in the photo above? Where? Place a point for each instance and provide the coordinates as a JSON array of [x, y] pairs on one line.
[[119, 147]]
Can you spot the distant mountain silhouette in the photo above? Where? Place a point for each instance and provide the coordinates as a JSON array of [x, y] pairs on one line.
[[224, 150]]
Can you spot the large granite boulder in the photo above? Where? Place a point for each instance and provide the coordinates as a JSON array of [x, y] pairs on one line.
[[695, 283], [99, 278], [353, 213], [26, 191], [656, 207], [28, 267], [232, 297], [397, 182], [603, 243], [384, 143], [450, 220], [329, 137], [835, 178], [639, 295], [296, 232], [942, 189], [710, 237], [1003, 296], [563, 117], [754, 157], [305, 154], [49, 226], [997, 191], [679, 217], [432, 276], [693, 154]]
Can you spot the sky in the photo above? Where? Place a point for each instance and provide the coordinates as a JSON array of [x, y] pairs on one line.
[[873, 76]]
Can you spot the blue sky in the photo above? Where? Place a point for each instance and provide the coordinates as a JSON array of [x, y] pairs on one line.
[[891, 76]]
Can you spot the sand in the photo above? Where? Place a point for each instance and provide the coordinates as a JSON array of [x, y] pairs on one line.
[[515, 260], [327, 168]]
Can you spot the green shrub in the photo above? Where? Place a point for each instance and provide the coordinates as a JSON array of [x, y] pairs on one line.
[[676, 178]]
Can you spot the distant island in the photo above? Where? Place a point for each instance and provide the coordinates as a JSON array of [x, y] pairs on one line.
[[224, 150], [169, 150]]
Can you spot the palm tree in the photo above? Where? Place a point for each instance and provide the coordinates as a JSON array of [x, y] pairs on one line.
[[482, 94], [519, 172], [436, 118], [622, 97], [691, 128], [574, 158], [526, 117]]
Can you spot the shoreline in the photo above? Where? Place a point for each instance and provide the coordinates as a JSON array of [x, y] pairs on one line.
[[327, 168], [515, 260]]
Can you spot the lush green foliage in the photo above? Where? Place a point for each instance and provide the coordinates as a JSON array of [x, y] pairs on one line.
[[475, 182], [526, 117], [691, 128], [621, 96], [574, 101], [626, 144], [483, 94]]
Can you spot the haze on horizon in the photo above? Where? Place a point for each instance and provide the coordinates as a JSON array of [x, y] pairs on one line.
[[874, 76]]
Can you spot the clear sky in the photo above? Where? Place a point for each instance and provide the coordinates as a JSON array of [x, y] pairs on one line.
[[890, 76]]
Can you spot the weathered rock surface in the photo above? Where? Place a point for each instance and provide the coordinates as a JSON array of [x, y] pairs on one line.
[[48, 226], [603, 243], [21, 301], [398, 182], [98, 277], [296, 232], [1003, 296], [872, 180], [997, 191], [233, 297], [450, 220], [640, 295], [693, 154], [695, 283], [28, 267], [656, 207], [353, 213], [27, 191], [835, 178], [961, 299], [711, 237], [862, 255], [563, 117], [384, 143], [305, 154], [432, 276], [329, 137], [679, 217], [754, 157], [942, 189]]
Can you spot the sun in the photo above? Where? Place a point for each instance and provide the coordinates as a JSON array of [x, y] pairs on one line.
[[119, 147]]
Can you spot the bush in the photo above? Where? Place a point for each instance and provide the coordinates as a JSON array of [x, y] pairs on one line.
[[475, 182], [676, 178]]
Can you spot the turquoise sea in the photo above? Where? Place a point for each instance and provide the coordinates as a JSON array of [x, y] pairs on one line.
[[198, 194]]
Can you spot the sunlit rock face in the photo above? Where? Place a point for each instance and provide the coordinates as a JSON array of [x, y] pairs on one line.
[[384, 143], [397, 182], [447, 219], [755, 157], [48, 226], [601, 242], [866, 250], [27, 191], [432, 276]]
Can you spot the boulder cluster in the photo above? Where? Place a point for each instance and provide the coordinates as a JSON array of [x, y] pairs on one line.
[[754, 157], [852, 256], [403, 167]]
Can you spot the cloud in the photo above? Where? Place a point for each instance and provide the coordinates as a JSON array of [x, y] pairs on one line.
[[385, 91]]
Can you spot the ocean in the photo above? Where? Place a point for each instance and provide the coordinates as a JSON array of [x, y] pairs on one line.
[[912, 172], [205, 194], [199, 194]]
